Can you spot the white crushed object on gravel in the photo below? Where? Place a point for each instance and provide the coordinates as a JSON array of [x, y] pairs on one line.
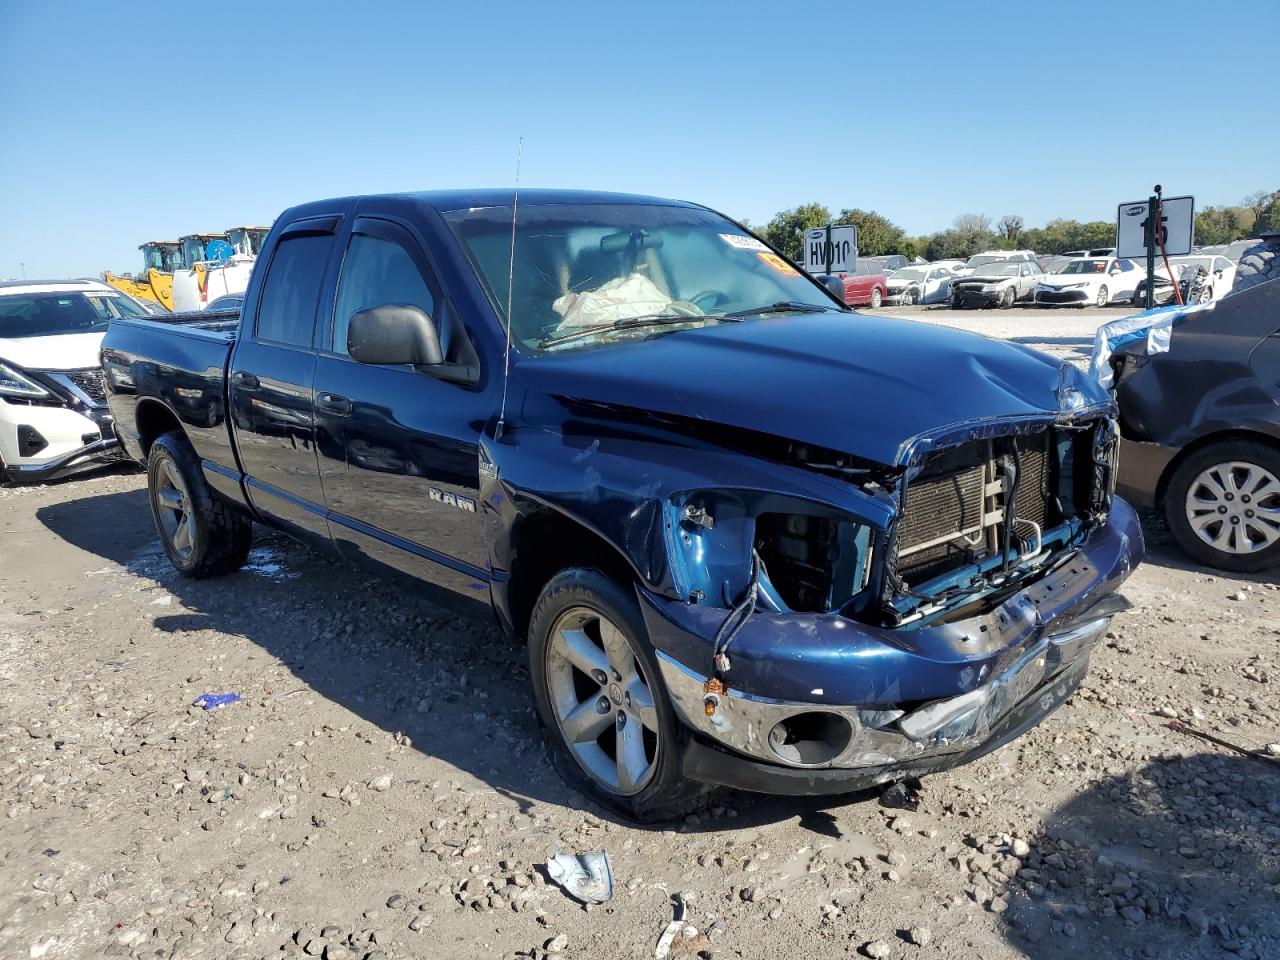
[[586, 876]]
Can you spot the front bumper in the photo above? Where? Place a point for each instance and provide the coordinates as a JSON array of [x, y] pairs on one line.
[[1060, 298], [974, 296], [889, 703], [39, 443]]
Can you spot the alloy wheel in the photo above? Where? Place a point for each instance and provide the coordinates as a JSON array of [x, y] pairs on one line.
[[1104, 296], [173, 501], [603, 702], [1235, 507]]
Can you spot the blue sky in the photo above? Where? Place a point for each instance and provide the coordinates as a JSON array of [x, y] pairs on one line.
[[123, 122]]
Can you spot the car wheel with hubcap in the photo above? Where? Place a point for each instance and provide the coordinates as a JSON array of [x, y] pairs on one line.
[[1008, 298], [203, 535], [876, 298], [601, 700], [1104, 296], [1223, 505]]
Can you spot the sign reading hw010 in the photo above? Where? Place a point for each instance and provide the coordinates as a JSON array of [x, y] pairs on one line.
[[831, 249], [1176, 227]]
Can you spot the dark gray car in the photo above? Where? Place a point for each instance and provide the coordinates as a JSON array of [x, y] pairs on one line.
[[1201, 429]]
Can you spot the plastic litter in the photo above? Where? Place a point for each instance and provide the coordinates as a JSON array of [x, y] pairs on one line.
[[587, 877], [672, 930], [211, 701], [903, 795]]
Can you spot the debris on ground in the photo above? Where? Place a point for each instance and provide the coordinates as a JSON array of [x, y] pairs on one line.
[[586, 876], [672, 930], [211, 701]]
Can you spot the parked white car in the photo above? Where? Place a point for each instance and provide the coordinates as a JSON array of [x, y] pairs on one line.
[[990, 257], [53, 404], [1089, 281], [1219, 279], [924, 284], [999, 284]]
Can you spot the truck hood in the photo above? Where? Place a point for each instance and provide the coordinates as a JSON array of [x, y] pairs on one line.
[[68, 351], [859, 384]]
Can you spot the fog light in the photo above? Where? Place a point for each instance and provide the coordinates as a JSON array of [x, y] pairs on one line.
[[30, 442], [811, 738]]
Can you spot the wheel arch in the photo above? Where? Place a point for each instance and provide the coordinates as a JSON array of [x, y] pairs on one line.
[[153, 418], [1209, 440], [543, 542]]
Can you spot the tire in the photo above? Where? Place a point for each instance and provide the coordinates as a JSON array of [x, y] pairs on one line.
[[1257, 264], [955, 304], [1008, 298], [1238, 469], [579, 602], [202, 534], [1103, 298], [876, 298]]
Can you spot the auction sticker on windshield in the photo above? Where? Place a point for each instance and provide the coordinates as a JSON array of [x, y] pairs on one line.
[[742, 243], [775, 261]]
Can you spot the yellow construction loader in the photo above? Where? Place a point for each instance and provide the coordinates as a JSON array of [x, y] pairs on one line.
[[155, 283]]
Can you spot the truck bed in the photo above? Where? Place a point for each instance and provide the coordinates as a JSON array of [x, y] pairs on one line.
[[213, 321]]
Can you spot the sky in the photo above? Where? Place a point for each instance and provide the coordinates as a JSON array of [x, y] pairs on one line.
[[122, 122]]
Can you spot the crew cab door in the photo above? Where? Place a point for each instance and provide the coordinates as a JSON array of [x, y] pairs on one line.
[[270, 380], [399, 447]]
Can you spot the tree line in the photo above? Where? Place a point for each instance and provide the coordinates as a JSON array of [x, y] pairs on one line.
[[972, 233]]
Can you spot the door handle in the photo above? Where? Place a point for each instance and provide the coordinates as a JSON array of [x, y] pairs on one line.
[[246, 380], [333, 405]]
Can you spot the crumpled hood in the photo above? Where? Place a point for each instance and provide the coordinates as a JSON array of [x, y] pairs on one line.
[[68, 351], [978, 278], [855, 383]]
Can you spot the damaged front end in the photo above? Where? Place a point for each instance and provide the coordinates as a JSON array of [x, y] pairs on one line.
[[959, 608]]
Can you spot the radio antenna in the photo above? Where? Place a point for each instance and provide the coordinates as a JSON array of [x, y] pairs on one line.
[[500, 426]]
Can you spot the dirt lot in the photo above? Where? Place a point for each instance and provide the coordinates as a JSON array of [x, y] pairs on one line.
[[381, 789]]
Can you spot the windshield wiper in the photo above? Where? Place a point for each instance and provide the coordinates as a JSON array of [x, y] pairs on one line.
[[782, 306], [668, 319], [627, 323]]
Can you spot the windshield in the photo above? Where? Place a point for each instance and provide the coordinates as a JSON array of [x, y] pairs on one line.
[[999, 268], [1084, 266], [908, 273], [578, 266], [49, 314], [982, 261]]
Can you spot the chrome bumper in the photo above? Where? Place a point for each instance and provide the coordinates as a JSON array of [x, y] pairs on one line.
[[877, 735]]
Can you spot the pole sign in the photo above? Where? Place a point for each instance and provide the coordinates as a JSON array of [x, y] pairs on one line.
[[831, 249], [1176, 227]]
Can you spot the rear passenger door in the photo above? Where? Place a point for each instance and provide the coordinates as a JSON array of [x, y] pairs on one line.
[[399, 448], [270, 380]]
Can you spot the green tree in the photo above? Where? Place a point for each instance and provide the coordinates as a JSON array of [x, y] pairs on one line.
[[1011, 226], [1269, 218], [786, 230], [1219, 225], [877, 235]]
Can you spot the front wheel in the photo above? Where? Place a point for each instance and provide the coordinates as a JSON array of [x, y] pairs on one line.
[[1223, 505], [203, 535], [1104, 296], [601, 700], [876, 299], [1008, 297]]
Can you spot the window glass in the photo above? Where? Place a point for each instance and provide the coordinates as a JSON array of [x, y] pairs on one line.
[[376, 272], [49, 314], [292, 290]]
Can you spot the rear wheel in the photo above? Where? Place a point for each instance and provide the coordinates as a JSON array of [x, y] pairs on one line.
[[601, 700], [1223, 505], [876, 298], [203, 535], [1104, 296]]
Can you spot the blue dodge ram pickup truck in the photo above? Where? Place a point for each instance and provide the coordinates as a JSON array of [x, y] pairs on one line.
[[750, 538]]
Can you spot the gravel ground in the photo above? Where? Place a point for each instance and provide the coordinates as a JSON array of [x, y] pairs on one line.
[[381, 789]]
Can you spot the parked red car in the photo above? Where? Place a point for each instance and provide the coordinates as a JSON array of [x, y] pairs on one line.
[[865, 285]]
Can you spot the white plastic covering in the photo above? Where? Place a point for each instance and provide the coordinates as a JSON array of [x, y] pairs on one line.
[[1155, 326], [631, 296]]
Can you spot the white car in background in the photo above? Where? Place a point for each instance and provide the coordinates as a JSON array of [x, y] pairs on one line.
[[53, 403], [1219, 278], [928, 283], [991, 257], [1089, 281]]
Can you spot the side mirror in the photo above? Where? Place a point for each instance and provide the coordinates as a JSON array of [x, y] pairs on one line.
[[834, 285], [395, 333]]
